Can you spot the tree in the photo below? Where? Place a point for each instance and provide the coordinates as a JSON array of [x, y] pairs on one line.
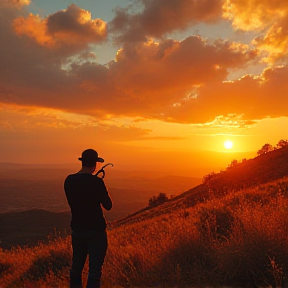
[[265, 149], [233, 163], [282, 143], [208, 177]]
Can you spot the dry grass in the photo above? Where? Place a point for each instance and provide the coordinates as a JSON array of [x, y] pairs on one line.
[[237, 240]]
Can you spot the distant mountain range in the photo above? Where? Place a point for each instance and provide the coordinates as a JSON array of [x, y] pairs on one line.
[[32, 198]]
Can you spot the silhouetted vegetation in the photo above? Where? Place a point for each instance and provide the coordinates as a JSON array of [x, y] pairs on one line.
[[282, 143], [268, 147], [265, 149], [157, 200]]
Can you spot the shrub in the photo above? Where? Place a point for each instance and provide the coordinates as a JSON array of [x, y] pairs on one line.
[[157, 200], [54, 261]]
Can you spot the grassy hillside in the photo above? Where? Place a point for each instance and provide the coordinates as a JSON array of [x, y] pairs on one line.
[[238, 238], [262, 169], [253, 172]]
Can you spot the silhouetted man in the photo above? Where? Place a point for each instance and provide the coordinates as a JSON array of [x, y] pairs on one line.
[[86, 193]]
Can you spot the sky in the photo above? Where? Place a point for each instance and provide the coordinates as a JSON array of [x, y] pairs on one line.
[[149, 84]]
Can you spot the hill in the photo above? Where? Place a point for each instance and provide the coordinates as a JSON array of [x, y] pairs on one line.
[[264, 168], [259, 170]]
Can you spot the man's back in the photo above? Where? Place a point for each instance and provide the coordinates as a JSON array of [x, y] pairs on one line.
[[85, 194]]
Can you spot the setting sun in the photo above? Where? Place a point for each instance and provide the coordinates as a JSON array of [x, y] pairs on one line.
[[228, 144]]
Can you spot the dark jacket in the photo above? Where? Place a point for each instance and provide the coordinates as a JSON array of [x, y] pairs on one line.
[[86, 193]]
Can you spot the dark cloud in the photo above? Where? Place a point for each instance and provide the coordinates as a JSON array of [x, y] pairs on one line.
[[66, 32], [76, 22], [159, 17]]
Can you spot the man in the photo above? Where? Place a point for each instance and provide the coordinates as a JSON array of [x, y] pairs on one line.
[[86, 193]]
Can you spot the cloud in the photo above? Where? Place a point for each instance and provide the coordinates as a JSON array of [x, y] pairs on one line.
[[16, 119], [250, 97], [15, 3], [156, 75], [32, 72], [253, 14], [148, 78], [275, 42], [268, 17], [228, 122], [159, 17], [68, 31]]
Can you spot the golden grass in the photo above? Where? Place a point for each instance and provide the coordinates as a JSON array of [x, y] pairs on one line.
[[236, 240]]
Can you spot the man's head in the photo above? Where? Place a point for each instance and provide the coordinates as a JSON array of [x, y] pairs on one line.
[[89, 158]]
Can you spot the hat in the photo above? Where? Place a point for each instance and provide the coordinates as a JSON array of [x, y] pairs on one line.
[[90, 156]]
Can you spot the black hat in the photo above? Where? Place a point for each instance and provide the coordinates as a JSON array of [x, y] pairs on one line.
[[90, 156]]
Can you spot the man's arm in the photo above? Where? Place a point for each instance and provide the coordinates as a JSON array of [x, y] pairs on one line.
[[104, 197]]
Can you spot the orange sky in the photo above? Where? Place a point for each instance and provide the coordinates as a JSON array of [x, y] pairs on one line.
[[157, 83]]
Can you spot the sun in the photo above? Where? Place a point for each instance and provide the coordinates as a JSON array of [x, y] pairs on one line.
[[228, 144]]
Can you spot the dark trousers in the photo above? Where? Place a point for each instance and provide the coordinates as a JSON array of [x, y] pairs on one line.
[[90, 243]]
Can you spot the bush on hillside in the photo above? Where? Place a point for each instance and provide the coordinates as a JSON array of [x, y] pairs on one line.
[[55, 261], [157, 200]]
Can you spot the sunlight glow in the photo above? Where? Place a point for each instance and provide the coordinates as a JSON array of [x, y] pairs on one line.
[[228, 144]]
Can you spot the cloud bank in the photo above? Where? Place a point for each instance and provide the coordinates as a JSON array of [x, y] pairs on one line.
[[49, 62]]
